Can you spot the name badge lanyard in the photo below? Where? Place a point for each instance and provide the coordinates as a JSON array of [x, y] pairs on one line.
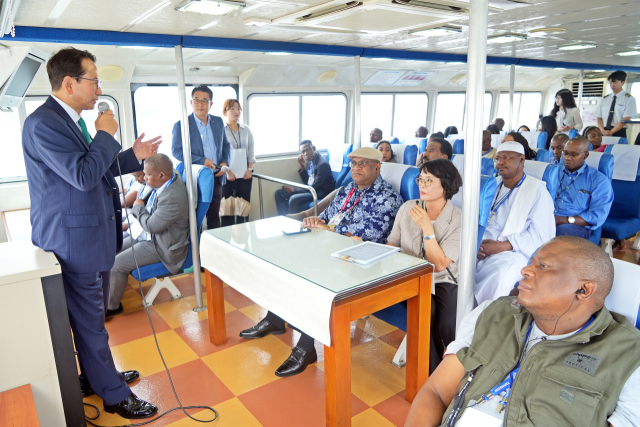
[[562, 190], [339, 217], [239, 140], [496, 205]]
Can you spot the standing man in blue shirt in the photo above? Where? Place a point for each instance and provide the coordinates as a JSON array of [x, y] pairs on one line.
[[316, 173], [209, 146], [584, 195]]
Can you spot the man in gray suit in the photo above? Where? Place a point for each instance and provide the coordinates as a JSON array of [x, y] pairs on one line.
[[162, 230]]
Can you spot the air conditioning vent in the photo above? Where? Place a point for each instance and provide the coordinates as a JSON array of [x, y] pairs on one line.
[[429, 5], [590, 88], [329, 11]]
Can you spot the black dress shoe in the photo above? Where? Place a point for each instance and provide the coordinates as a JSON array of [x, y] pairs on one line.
[[132, 407], [115, 312], [262, 329], [129, 377], [297, 362]]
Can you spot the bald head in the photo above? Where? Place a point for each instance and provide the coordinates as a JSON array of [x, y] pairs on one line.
[[160, 163], [578, 142], [575, 152], [486, 140], [557, 144]]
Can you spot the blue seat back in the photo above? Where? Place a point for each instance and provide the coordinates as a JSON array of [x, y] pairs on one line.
[[393, 140], [420, 143], [531, 137], [405, 154], [573, 133], [543, 171], [603, 162], [488, 187], [543, 155], [402, 179], [613, 140], [345, 170], [542, 140], [626, 196], [458, 146], [487, 166]]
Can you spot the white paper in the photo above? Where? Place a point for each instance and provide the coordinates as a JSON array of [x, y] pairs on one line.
[[238, 162], [366, 252], [135, 229]]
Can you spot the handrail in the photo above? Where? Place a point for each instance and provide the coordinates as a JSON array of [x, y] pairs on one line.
[[285, 182]]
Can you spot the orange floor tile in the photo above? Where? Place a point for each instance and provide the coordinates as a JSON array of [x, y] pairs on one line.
[[237, 378]]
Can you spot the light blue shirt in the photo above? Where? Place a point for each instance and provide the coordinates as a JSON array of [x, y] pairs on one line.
[[552, 159], [586, 193], [208, 142]]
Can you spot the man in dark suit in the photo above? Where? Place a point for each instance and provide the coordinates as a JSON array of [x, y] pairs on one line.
[[75, 213], [209, 146], [314, 171], [162, 231]]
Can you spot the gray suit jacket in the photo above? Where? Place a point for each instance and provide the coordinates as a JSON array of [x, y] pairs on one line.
[[169, 223]]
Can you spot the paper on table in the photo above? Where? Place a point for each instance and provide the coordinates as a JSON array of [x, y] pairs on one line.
[[366, 252], [238, 162]]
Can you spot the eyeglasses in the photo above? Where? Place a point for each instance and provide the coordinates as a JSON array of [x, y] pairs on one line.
[[361, 163], [572, 154], [424, 182], [201, 101], [96, 81]]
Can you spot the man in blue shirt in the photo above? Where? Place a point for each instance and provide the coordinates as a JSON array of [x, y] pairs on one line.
[[317, 174], [584, 195]]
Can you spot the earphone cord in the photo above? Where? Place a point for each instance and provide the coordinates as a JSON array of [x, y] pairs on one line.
[[575, 297], [183, 408]]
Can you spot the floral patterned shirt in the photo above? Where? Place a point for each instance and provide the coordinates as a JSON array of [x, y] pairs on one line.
[[372, 216]]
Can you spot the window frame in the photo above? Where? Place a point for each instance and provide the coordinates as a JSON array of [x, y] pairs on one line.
[[521, 92], [464, 109], [393, 104], [22, 116], [299, 95]]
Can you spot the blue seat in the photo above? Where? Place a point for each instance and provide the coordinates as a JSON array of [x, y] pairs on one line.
[[542, 140], [573, 133], [421, 143], [604, 163], [340, 175], [613, 140], [204, 184], [458, 146], [487, 166], [393, 140], [402, 179], [405, 154], [543, 155], [545, 172], [624, 217]]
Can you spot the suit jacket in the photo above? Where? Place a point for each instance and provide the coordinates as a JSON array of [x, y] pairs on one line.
[[75, 205], [223, 148], [324, 182], [168, 224]]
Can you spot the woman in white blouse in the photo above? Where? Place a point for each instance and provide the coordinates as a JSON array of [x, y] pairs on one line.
[[566, 113], [242, 153]]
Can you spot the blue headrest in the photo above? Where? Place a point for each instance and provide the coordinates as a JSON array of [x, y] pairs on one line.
[[402, 179], [458, 146], [543, 171], [204, 181], [542, 139], [573, 133], [405, 154], [488, 187], [603, 162], [420, 143], [487, 166], [394, 140], [543, 155], [623, 141]]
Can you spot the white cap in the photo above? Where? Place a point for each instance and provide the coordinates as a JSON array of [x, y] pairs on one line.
[[516, 147]]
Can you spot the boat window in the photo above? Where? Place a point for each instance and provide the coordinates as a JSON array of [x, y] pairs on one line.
[[526, 108], [398, 114], [450, 110]]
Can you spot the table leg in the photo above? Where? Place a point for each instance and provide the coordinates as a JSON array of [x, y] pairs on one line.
[[337, 369], [418, 338], [215, 305]]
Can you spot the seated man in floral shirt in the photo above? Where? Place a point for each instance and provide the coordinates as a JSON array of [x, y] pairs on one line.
[[364, 208]]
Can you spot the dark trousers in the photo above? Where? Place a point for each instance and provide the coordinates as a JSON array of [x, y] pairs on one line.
[[86, 295], [292, 203], [238, 188], [622, 133], [573, 230], [443, 321], [305, 342], [213, 214]]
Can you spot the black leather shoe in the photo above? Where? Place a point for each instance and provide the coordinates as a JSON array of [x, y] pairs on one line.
[[297, 362], [262, 329], [129, 377], [111, 313], [132, 407]]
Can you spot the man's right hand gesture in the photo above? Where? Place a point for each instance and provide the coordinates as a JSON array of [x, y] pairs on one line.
[[301, 161], [107, 122]]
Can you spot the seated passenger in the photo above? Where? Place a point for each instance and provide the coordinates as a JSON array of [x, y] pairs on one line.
[[437, 148], [548, 124], [521, 220], [529, 154], [578, 361], [317, 174], [365, 208], [500, 123], [494, 129], [524, 128], [450, 130], [422, 132], [375, 135], [132, 188], [584, 195], [557, 145], [487, 150], [387, 152], [439, 222], [594, 136], [163, 236]]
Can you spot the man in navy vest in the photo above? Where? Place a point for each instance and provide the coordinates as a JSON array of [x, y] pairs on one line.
[[76, 214], [209, 146]]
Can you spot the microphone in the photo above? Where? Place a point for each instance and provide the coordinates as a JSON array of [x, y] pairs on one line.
[[103, 107]]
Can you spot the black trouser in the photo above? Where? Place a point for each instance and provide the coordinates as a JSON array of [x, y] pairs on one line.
[[443, 321], [305, 342], [213, 214], [622, 133], [238, 188]]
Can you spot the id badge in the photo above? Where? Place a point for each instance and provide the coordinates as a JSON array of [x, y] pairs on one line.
[[482, 416], [311, 180], [336, 220]]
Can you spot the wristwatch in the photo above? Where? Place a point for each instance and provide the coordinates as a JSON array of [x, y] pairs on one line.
[[571, 219], [429, 237], [251, 170]]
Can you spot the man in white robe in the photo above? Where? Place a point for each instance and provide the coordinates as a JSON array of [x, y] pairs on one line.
[[521, 221]]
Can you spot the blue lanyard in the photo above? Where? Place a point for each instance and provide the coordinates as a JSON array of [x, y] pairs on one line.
[[562, 190], [239, 140], [494, 208], [152, 198]]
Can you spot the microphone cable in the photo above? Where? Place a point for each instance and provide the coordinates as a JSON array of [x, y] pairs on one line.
[[183, 408]]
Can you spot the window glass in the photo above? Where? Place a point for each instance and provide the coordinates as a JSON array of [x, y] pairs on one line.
[[410, 113], [323, 119], [449, 111], [486, 115], [89, 117], [275, 123], [12, 159], [376, 112], [635, 91], [158, 109], [526, 108]]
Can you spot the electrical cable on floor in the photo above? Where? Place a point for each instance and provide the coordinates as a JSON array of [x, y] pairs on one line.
[[183, 408]]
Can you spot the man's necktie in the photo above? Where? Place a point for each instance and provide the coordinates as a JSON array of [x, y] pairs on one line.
[[83, 126], [611, 110]]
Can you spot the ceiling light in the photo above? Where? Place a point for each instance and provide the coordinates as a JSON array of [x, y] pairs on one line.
[[135, 47], [543, 81], [257, 22], [457, 79], [629, 53], [210, 7], [579, 46], [438, 31], [505, 38], [327, 76], [559, 68], [278, 53], [548, 30], [599, 71], [381, 59], [109, 73]]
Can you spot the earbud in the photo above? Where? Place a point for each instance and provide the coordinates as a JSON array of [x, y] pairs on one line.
[[580, 291]]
